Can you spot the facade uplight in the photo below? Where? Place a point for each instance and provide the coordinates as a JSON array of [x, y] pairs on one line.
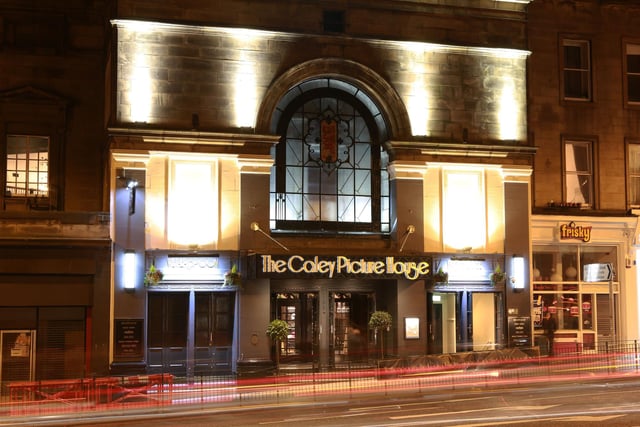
[[517, 273]]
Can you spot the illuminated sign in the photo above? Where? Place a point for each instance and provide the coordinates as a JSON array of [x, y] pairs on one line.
[[191, 268], [573, 231], [468, 270], [343, 266]]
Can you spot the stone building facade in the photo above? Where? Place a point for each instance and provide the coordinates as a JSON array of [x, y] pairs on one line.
[[55, 245], [332, 163], [583, 117], [209, 169]]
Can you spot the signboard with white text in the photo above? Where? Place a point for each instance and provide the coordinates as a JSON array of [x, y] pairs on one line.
[[602, 272]]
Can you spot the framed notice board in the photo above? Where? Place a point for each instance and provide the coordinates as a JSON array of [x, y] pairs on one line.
[[128, 338]]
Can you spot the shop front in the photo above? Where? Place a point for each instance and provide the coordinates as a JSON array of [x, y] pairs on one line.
[[183, 320], [327, 302], [583, 274], [465, 305]]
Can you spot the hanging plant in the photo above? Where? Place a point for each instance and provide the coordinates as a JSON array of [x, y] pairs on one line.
[[497, 276], [441, 276], [232, 277], [152, 276]]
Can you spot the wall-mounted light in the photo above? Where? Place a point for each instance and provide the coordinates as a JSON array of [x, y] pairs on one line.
[[408, 232], [132, 184], [517, 273], [256, 227], [129, 270]]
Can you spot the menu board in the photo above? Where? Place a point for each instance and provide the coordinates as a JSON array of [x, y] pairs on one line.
[[128, 339], [519, 331]]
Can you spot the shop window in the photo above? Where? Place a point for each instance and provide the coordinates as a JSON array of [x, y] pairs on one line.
[[632, 73], [27, 173], [576, 70], [560, 289], [330, 171], [578, 173], [633, 175]]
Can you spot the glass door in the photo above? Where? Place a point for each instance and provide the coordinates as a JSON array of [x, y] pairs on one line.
[[349, 317], [300, 311]]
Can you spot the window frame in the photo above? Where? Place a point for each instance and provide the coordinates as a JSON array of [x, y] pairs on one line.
[[30, 187], [631, 203], [625, 73], [547, 285], [28, 111], [585, 49], [591, 173], [278, 190]]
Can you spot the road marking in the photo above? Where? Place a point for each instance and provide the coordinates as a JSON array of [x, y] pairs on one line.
[[405, 405], [581, 419], [434, 414]]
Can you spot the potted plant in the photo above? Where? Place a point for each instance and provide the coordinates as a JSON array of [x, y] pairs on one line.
[[380, 321], [497, 276], [278, 330], [233, 278], [152, 276]]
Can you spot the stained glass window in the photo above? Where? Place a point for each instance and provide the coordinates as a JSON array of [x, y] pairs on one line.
[[330, 172]]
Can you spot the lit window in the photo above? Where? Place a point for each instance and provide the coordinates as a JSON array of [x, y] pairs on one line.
[[578, 172], [27, 166], [633, 73], [576, 70], [633, 175], [330, 173]]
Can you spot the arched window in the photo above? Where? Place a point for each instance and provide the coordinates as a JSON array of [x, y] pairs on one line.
[[330, 172]]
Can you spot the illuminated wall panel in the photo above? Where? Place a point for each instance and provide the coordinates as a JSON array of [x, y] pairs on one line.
[[167, 72], [155, 202], [432, 188], [495, 210], [193, 204], [464, 210]]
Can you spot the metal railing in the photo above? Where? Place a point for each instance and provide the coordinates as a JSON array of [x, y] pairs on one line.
[[396, 375]]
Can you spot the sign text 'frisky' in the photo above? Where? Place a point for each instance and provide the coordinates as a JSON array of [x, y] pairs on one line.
[[343, 265]]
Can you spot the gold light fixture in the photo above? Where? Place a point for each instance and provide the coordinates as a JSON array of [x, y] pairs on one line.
[[256, 227], [409, 231]]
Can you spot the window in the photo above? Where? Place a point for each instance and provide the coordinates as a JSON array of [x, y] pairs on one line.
[[578, 173], [333, 21], [330, 173], [633, 73], [27, 166], [560, 289], [633, 175], [576, 66]]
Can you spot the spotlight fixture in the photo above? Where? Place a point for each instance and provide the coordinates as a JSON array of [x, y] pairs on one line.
[[256, 227]]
